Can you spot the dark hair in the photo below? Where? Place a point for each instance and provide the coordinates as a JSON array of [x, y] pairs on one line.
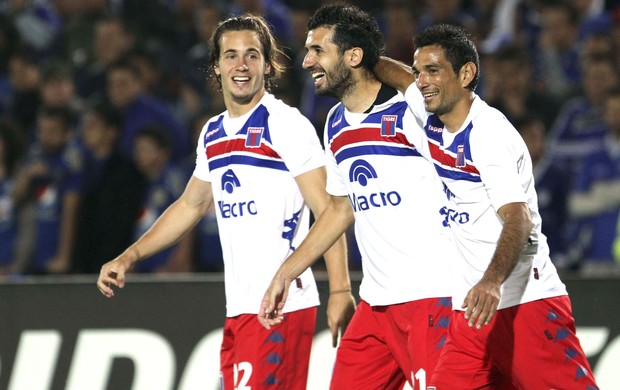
[[352, 28], [63, 114], [158, 134], [124, 64], [111, 116], [257, 24], [456, 44], [13, 144]]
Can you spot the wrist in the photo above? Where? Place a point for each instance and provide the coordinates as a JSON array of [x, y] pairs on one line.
[[340, 291]]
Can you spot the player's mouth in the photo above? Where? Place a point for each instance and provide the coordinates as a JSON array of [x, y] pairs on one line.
[[318, 78], [429, 96], [240, 80]]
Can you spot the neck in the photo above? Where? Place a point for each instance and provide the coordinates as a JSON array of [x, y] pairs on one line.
[[361, 95], [454, 119], [239, 107]]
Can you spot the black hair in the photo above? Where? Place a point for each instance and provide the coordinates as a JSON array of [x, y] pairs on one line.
[[456, 44], [158, 134], [109, 114], [352, 28]]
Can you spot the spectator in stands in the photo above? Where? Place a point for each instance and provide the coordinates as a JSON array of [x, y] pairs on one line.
[[24, 77], [596, 197], [111, 41], [140, 109], [57, 88], [552, 186], [557, 55], [579, 128], [52, 177], [109, 205], [10, 152], [515, 93], [166, 182]]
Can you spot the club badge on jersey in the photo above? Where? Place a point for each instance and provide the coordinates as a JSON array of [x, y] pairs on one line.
[[388, 125], [460, 157], [254, 136]]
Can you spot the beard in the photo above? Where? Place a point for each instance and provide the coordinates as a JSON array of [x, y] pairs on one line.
[[337, 82]]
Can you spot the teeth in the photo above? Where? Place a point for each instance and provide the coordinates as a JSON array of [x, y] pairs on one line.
[[429, 94], [241, 78], [318, 75]]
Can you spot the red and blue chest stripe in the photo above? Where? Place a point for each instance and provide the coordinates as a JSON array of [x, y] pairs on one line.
[[367, 138], [251, 145], [453, 161]]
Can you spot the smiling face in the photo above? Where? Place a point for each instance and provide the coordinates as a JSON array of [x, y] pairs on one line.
[[441, 87], [241, 68], [332, 77]]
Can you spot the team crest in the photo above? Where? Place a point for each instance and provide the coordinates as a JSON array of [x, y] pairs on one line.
[[388, 125], [460, 157], [255, 135]]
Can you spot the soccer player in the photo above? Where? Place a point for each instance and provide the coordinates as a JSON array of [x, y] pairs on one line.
[[377, 178], [261, 163], [513, 315]]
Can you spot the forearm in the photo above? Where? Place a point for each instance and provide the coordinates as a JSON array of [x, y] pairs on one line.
[[394, 73], [168, 229], [68, 224], [325, 238], [513, 238]]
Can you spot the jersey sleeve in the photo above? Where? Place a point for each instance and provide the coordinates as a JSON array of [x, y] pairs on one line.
[[500, 154], [296, 141], [201, 171], [415, 102], [335, 182]]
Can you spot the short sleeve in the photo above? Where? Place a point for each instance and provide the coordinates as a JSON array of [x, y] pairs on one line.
[[295, 140], [499, 154], [201, 171]]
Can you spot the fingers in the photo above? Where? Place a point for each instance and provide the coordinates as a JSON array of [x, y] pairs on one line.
[[110, 275], [334, 330], [480, 308]]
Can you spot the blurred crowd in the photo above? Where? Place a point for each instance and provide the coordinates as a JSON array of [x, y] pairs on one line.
[[101, 102]]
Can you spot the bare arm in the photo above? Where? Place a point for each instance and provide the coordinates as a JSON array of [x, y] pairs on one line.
[[171, 226], [341, 305], [394, 73], [61, 262], [327, 230], [482, 300]]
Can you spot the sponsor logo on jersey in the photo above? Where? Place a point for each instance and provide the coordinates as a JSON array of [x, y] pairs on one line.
[[435, 129], [230, 181], [234, 209], [255, 135], [361, 172], [388, 125]]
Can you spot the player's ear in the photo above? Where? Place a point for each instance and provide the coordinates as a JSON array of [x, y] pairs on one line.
[[216, 70], [354, 56], [467, 74]]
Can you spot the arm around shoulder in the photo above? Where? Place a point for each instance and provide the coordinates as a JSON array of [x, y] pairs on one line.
[[394, 73]]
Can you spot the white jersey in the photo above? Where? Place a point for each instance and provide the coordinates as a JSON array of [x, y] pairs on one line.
[[251, 162], [396, 198], [484, 166]]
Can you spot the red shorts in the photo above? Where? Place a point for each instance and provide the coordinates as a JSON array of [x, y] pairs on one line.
[[532, 345], [257, 358], [384, 346]]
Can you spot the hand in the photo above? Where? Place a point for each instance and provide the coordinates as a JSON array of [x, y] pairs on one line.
[[340, 309], [481, 303], [271, 308], [113, 273]]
